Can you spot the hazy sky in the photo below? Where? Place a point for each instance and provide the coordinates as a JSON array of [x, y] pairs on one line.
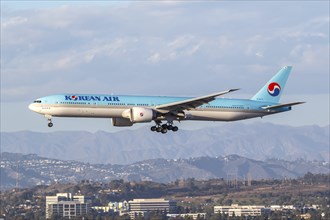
[[161, 48]]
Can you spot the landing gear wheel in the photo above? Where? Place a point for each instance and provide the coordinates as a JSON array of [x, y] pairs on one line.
[[50, 124], [164, 128]]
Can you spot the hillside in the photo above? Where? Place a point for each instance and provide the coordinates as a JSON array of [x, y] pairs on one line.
[[33, 170]]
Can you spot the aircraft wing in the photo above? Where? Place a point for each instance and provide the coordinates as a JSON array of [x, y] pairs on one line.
[[191, 103], [282, 105]]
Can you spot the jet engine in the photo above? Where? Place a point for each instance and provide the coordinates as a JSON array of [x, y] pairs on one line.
[[139, 114]]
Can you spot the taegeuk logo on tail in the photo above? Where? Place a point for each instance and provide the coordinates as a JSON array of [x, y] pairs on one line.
[[274, 89]]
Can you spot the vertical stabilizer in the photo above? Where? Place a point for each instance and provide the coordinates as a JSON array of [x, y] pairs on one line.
[[272, 91]]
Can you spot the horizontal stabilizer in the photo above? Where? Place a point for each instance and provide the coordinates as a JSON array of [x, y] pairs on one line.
[[282, 105]]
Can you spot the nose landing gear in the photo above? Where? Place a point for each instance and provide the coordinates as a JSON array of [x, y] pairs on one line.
[[50, 123], [163, 128]]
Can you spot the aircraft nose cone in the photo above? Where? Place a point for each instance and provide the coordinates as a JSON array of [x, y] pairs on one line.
[[32, 107]]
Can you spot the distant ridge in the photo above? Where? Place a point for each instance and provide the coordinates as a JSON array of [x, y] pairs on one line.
[[259, 141], [34, 170]]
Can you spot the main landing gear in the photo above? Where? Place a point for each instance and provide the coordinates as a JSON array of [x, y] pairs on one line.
[[163, 128]]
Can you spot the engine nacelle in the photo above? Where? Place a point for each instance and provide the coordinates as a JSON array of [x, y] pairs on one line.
[[121, 122], [184, 115], [139, 114]]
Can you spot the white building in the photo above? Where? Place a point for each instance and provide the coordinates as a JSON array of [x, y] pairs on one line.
[[237, 210], [66, 205], [281, 207], [139, 207], [188, 215], [113, 207]]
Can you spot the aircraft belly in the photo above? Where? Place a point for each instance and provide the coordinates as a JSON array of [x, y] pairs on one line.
[[92, 112], [222, 115]]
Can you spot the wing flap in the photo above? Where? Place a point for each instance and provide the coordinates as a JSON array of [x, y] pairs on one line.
[[282, 105], [192, 103]]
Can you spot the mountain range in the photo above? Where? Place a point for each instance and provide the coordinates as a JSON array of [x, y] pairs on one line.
[[258, 141]]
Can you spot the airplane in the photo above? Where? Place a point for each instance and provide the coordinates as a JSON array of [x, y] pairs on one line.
[[127, 110]]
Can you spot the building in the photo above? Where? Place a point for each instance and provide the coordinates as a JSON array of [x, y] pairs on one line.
[[187, 215], [66, 205], [140, 207], [113, 207], [236, 210]]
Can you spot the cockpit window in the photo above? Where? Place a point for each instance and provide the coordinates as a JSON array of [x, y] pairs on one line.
[[37, 101]]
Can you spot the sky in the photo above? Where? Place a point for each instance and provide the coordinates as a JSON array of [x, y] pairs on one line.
[[161, 48]]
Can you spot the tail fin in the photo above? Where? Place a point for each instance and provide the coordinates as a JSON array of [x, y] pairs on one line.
[[272, 91]]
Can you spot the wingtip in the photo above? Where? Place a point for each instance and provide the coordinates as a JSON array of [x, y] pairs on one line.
[[233, 90]]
